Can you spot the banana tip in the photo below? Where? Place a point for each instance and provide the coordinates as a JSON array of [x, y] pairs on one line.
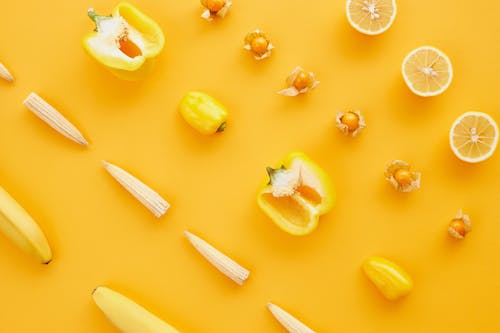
[[95, 289]]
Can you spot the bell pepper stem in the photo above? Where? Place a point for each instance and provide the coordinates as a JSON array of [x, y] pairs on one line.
[[96, 17], [222, 127], [271, 172]]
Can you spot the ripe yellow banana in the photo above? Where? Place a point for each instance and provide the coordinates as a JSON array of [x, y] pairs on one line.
[[18, 225], [128, 316]]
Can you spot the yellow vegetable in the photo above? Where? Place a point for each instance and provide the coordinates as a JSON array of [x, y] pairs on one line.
[[297, 194], [390, 279], [125, 42], [203, 112]]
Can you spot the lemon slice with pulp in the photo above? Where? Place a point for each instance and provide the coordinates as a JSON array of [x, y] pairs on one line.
[[371, 17], [474, 137], [427, 71]]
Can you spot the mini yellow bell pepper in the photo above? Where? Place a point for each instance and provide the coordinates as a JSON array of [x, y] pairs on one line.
[[297, 194], [390, 279], [125, 42], [203, 112]]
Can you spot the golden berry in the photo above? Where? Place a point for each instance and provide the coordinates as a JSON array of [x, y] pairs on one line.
[[403, 176], [302, 80], [259, 45], [351, 120], [214, 5], [458, 226]]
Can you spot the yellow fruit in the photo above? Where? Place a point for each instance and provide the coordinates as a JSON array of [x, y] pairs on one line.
[[474, 137], [22, 230], [302, 80], [298, 193], [128, 316], [259, 45], [427, 71], [458, 226], [371, 17], [213, 5], [403, 176], [390, 279], [351, 120]]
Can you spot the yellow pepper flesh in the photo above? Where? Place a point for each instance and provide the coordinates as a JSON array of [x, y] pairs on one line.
[[125, 42], [203, 112], [390, 279]]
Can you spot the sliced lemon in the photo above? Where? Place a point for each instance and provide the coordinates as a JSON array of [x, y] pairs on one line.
[[297, 195], [427, 71], [474, 137], [371, 17]]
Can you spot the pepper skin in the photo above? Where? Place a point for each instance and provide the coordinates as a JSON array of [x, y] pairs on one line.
[[389, 278], [203, 112]]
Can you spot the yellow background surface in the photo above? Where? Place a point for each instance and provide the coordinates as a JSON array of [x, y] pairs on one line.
[[101, 235]]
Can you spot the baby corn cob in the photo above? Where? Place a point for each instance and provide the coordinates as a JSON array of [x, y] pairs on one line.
[[5, 74], [147, 196], [53, 118], [223, 263], [292, 324]]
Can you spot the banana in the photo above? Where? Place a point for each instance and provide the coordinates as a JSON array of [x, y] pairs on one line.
[[20, 227], [128, 316]]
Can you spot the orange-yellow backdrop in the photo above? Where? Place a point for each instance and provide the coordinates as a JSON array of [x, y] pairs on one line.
[[101, 235]]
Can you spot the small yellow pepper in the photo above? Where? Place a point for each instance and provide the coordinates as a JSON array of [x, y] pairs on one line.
[[390, 279], [125, 42], [203, 112]]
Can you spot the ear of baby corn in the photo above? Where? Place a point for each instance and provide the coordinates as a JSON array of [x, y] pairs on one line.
[[5, 74], [53, 118], [223, 263], [147, 196], [292, 324]]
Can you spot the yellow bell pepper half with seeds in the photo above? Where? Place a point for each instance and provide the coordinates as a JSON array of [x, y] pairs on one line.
[[297, 194], [125, 42], [389, 278], [203, 112]]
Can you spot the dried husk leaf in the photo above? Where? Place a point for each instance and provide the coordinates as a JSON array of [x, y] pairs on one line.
[[395, 166], [5, 74], [53, 118], [147, 196], [223, 263], [292, 324], [344, 128], [291, 92]]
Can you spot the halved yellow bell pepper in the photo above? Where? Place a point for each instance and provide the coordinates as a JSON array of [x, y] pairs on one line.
[[297, 194], [125, 42], [390, 279]]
